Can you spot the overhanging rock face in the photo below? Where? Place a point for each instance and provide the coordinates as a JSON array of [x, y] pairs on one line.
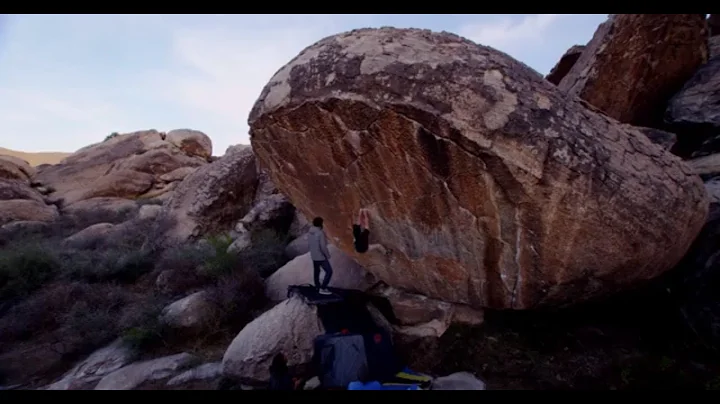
[[486, 186]]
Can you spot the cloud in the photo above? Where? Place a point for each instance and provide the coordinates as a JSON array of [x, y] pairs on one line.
[[67, 81], [507, 34], [221, 71]]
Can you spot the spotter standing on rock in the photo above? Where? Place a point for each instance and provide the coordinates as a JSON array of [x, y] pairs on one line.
[[317, 241]]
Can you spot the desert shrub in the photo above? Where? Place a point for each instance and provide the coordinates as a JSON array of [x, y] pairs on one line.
[[24, 267], [238, 296], [184, 257], [77, 316], [71, 223], [267, 254], [129, 252], [112, 264], [220, 262], [140, 324], [183, 262], [110, 136]]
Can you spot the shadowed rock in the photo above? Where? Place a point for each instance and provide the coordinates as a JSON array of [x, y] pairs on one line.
[[566, 62]]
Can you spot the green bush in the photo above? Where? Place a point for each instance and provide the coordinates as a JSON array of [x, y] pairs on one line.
[[220, 262], [140, 325]]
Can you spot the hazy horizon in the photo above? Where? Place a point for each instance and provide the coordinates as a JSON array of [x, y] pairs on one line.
[[67, 81]]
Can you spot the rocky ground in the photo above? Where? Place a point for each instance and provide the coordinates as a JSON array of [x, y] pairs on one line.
[[554, 233]]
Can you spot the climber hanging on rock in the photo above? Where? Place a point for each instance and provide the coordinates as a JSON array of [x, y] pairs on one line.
[[361, 231]]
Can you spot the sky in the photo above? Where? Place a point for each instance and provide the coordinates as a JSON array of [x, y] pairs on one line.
[[67, 81]]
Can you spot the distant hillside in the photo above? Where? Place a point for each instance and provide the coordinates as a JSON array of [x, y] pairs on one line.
[[35, 159]]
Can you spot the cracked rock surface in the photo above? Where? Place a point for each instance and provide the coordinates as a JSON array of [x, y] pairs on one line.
[[486, 185]]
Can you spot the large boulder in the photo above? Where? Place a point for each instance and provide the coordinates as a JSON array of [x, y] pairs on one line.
[[121, 166], [636, 62], [288, 328], [214, 197], [485, 185]]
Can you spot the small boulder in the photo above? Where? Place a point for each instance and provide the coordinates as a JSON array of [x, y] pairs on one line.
[[18, 189], [347, 274], [241, 243], [13, 168], [158, 162], [706, 166], [172, 282], [192, 142], [712, 187], [664, 139], [714, 47], [274, 211], [89, 235], [26, 210], [134, 375], [203, 372], [120, 184], [458, 381], [695, 106], [297, 247], [114, 205], [193, 312], [177, 175], [290, 328], [100, 363], [149, 211], [421, 316]]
